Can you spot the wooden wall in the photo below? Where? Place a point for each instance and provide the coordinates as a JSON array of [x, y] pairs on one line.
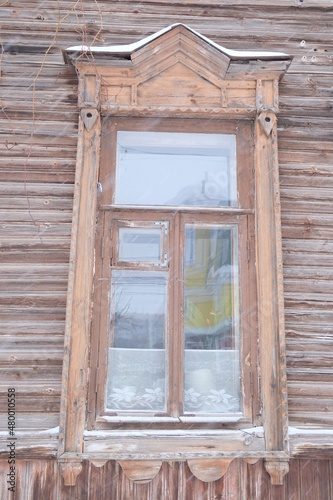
[[38, 127], [307, 480]]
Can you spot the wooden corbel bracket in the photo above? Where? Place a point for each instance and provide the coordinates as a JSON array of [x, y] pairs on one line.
[[277, 469], [70, 469]]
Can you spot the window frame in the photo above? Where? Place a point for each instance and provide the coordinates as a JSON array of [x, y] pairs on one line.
[[242, 216], [112, 84]]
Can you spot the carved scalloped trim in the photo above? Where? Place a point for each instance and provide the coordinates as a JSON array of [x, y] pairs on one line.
[[140, 471], [209, 470], [252, 461], [99, 462]]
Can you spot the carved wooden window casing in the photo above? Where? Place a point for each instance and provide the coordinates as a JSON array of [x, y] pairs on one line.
[[205, 245]]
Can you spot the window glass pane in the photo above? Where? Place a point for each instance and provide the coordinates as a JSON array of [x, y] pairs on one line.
[[162, 168], [212, 372], [140, 244], [137, 370]]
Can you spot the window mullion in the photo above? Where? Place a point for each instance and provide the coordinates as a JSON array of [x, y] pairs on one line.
[[175, 310]]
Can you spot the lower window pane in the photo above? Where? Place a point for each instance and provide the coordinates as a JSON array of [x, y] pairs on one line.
[[136, 380], [137, 368], [212, 381], [211, 364]]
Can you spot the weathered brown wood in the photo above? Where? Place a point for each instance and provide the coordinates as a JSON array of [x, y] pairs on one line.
[[208, 470], [174, 480], [271, 319], [141, 471], [164, 444], [103, 278], [277, 470], [30, 421], [296, 27], [322, 478], [70, 470], [166, 72], [27, 449], [80, 282]]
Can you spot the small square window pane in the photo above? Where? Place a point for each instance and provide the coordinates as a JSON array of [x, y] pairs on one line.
[[140, 244], [176, 169]]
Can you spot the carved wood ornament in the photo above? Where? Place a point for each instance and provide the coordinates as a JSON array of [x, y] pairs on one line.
[[176, 73]]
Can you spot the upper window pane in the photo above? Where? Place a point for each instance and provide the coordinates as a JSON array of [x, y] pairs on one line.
[[137, 244], [176, 169]]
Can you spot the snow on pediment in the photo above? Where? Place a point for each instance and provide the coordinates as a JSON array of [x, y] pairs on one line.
[[129, 49], [177, 68]]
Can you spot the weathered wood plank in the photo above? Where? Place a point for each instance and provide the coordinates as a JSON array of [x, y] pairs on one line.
[[21, 327], [315, 419], [36, 189], [33, 403], [305, 128], [32, 373]]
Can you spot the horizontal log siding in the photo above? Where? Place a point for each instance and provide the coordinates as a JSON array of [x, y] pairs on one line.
[[37, 175]]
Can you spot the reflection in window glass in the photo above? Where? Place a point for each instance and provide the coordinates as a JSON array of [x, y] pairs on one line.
[[212, 372], [140, 244], [179, 169], [136, 364]]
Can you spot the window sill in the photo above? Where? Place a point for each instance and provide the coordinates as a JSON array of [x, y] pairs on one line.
[[238, 417], [174, 444]]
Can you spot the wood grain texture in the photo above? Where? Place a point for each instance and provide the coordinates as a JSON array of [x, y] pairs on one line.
[[75, 366], [305, 159], [307, 479], [270, 288], [176, 87]]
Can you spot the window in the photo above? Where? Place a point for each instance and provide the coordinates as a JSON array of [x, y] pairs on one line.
[[206, 246], [176, 314]]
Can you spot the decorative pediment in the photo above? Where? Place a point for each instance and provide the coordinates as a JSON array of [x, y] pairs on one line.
[[164, 89], [180, 44], [179, 69]]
